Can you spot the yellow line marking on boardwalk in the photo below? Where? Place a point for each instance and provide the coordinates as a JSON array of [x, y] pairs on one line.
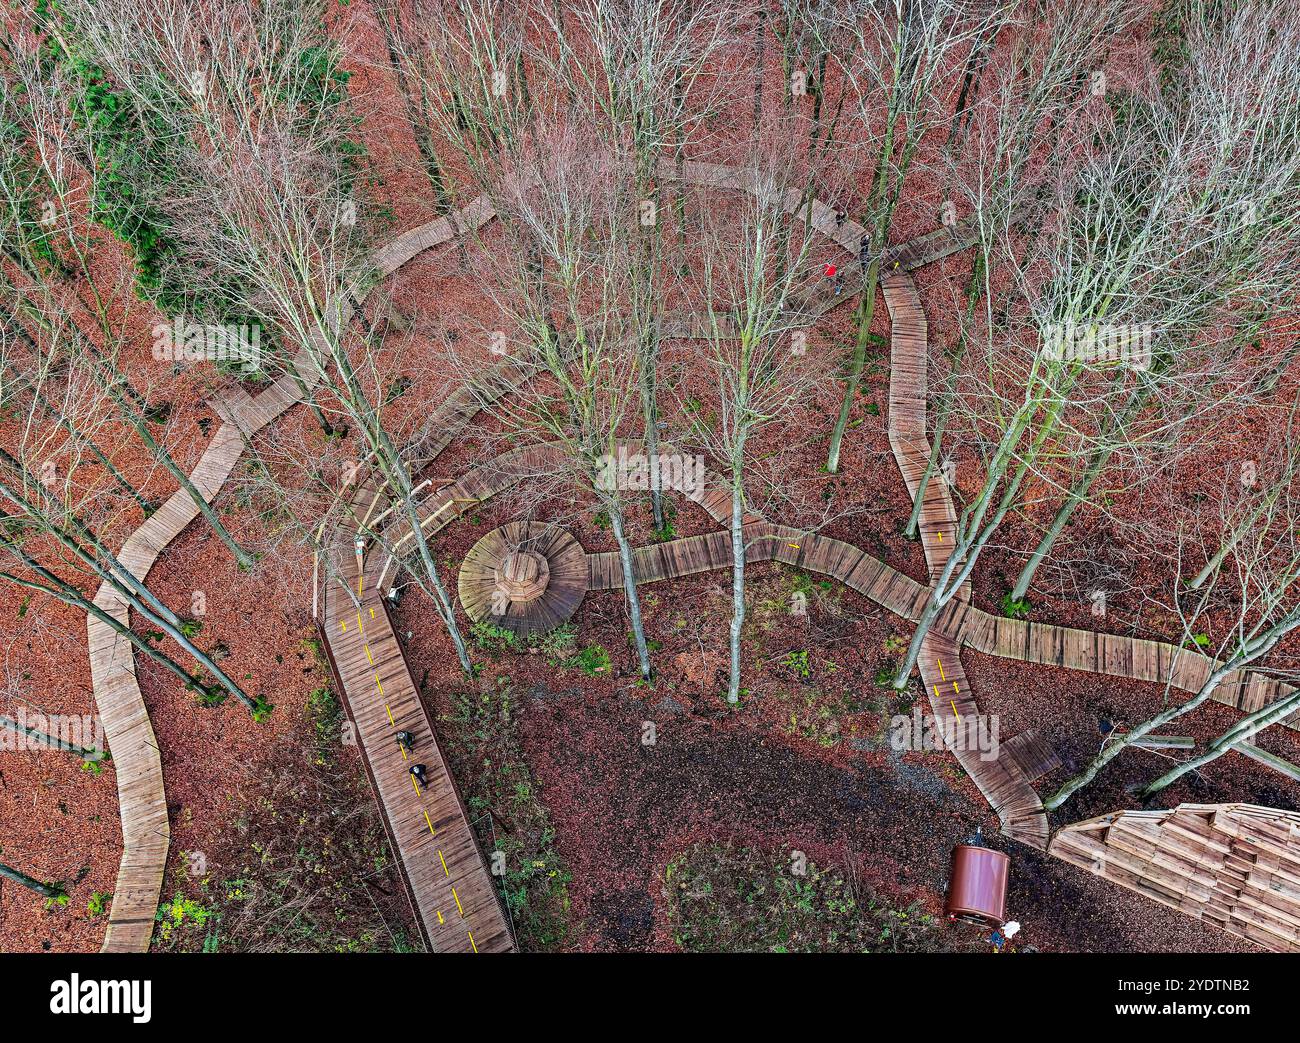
[[444, 863], [432, 831], [440, 919], [471, 940], [459, 908], [368, 655], [955, 688], [344, 624], [941, 677], [403, 749], [415, 785], [954, 708], [372, 612]]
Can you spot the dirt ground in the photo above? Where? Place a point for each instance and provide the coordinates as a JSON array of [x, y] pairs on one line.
[[802, 764]]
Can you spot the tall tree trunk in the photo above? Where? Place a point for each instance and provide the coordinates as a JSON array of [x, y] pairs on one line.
[[928, 615], [1077, 495], [443, 603], [878, 222], [866, 312], [1244, 730], [1073, 785], [245, 560], [630, 591], [132, 590], [737, 588], [1079, 490], [70, 595], [1248, 651], [52, 741]]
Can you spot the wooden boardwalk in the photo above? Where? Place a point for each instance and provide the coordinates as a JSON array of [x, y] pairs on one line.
[[908, 381], [449, 883], [1001, 779], [447, 878], [142, 799], [1141, 659]]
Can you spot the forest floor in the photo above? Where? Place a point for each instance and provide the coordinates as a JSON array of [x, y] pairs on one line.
[[593, 783]]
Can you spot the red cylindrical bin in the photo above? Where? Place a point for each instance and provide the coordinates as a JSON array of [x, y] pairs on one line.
[[977, 889]]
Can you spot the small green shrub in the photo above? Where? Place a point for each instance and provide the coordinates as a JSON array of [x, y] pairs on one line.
[[798, 662], [492, 638], [592, 660], [557, 645], [1015, 608]]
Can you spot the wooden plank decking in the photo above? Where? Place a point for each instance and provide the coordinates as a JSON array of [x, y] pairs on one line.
[[447, 878], [1233, 866], [908, 380], [1001, 779], [142, 800], [565, 586]]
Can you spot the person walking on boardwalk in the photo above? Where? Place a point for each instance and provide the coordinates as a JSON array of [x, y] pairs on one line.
[[405, 740], [419, 774]]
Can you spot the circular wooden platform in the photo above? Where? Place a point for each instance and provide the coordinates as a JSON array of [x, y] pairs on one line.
[[525, 577]]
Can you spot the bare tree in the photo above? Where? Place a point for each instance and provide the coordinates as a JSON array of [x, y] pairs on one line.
[[898, 65], [37, 290], [1251, 598], [647, 65], [252, 94], [569, 210], [1230, 125], [1030, 123], [750, 266]]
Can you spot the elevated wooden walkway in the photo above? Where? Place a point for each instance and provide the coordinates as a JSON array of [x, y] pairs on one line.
[[449, 883], [909, 357], [1117, 655], [142, 800], [1141, 659], [1001, 779], [451, 888]]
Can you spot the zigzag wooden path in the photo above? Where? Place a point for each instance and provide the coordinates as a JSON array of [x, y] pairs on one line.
[[385, 684], [142, 799], [1001, 779]]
